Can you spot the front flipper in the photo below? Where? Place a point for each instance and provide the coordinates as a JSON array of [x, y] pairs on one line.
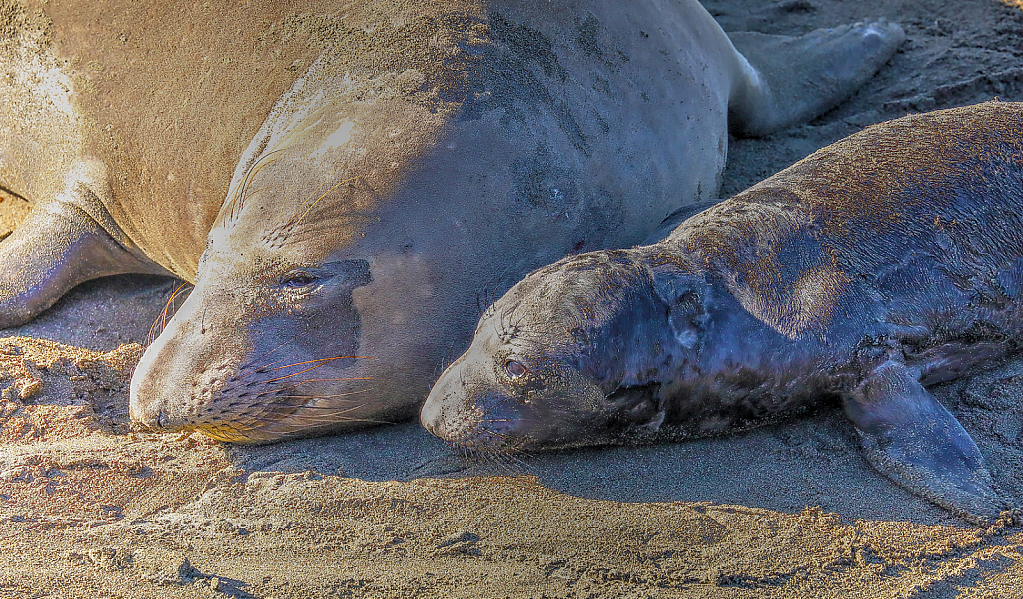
[[58, 246], [916, 442]]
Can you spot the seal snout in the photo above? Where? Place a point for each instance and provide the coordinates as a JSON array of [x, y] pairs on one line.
[[156, 420], [179, 374], [454, 410], [430, 416], [148, 413], [151, 415], [443, 417]]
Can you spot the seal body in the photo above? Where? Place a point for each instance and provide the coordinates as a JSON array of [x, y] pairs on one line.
[[886, 262], [339, 180]]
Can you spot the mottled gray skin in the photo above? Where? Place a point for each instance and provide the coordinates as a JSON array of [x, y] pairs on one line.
[[430, 149], [884, 263]]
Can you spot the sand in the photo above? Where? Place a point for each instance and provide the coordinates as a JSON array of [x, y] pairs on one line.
[[89, 508]]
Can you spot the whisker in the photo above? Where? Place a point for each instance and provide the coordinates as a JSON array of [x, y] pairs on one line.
[[293, 222], [323, 396], [258, 370], [504, 463], [310, 419], [265, 368], [305, 201], [514, 464], [237, 433], [254, 191], [273, 391], [300, 411], [238, 198], [321, 409], [161, 320], [288, 376], [357, 378], [254, 360], [320, 360]]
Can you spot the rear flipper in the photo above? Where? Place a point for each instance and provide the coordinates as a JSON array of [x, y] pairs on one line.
[[798, 78], [916, 442], [58, 246]]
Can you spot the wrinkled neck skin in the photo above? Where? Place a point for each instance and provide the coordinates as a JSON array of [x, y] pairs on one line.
[[685, 359], [631, 354]]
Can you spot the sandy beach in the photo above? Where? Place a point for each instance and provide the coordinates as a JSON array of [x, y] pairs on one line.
[[90, 508]]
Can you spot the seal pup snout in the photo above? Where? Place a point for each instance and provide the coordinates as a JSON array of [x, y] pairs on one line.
[[470, 408]]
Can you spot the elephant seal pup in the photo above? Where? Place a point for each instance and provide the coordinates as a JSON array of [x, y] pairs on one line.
[[886, 262], [337, 179]]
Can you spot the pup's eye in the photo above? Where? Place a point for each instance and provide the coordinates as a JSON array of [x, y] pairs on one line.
[[515, 369], [299, 279]]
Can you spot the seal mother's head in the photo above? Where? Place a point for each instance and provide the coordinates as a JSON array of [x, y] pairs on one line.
[[243, 359]]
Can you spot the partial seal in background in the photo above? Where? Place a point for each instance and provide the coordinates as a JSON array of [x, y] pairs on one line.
[[338, 180], [879, 265]]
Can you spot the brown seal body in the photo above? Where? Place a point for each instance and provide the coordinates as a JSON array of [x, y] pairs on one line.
[[883, 263], [338, 180]]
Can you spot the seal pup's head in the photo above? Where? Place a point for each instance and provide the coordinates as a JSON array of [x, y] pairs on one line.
[[572, 355]]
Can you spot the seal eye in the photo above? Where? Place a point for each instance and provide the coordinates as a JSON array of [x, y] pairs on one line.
[[515, 369], [299, 279]]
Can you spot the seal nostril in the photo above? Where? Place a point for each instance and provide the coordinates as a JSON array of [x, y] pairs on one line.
[[161, 420]]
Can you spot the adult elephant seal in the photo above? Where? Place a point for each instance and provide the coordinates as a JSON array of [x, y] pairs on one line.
[[881, 264], [339, 179]]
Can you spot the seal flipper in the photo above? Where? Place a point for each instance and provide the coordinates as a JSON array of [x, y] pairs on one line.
[[916, 442], [58, 246], [678, 217], [794, 79]]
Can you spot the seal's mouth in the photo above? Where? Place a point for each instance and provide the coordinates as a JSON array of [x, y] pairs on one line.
[[512, 427], [269, 414], [484, 425], [527, 440], [268, 424], [292, 417], [271, 395], [496, 422], [261, 425]]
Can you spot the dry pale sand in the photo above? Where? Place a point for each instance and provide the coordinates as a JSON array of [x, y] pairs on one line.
[[90, 509]]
